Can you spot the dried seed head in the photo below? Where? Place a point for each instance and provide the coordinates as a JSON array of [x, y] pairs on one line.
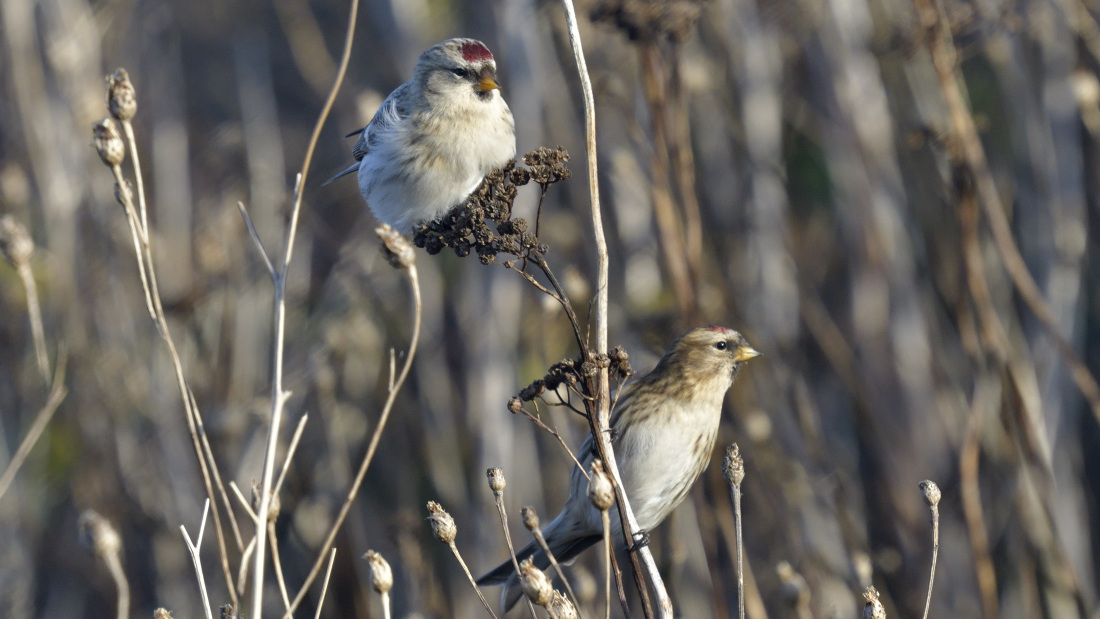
[[381, 576], [164, 613], [15, 244], [873, 609], [108, 142], [600, 490], [535, 584], [443, 526], [97, 534], [530, 518], [121, 98], [931, 492], [515, 405], [395, 247], [561, 608], [227, 611], [733, 466], [496, 479]]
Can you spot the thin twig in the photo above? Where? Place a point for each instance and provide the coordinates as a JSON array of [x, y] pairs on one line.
[[193, 549], [277, 563], [42, 418], [414, 284], [256, 240], [324, 585], [601, 420], [480, 595], [278, 395], [932, 497], [733, 469], [34, 313]]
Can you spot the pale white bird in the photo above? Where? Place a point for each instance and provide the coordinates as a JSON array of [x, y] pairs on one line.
[[435, 137]]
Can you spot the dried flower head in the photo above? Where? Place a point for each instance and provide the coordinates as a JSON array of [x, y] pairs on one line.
[[467, 229], [496, 479], [227, 611], [530, 518], [600, 489], [108, 142], [535, 584], [121, 98], [97, 534], [561, 608], [15, 244], [443, 525], [733, 466], [515, 405], [163, 613], [381, 576], [874, 608], [395, 247], [931, 492]]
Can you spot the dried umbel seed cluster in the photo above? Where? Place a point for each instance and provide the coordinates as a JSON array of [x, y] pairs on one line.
[[569, 372], [466, 229], [395, 247]]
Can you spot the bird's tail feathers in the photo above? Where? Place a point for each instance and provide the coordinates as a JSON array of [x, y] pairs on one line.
[[352, 168], [565, 551]]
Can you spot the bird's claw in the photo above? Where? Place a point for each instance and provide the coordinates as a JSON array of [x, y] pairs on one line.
[[641, 540]]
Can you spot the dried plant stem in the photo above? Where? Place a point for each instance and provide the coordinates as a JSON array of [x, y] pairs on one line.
[[605, 517], [735, 498], [414, 284], [324, 585], [146, 267], [984, 398], [193, 549], [34, 313], [557, 566], [122, 586], [277, 563], [499, 500], [278, 394], [935, 553], [473, 583], [601, 420], [965, 137], [42, 418], [733, 469]]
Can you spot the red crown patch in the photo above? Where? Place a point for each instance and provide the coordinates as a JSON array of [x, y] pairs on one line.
[[474, 51]]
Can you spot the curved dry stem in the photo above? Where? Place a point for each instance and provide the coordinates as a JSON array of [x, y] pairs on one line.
[[473, 582], [414, 284], [557, 566], [34, 313], [58, 391], [606, 519], [324, 585], [935, 553], [278, 395]]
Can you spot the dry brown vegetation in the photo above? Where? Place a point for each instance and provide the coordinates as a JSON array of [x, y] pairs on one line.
[[894, 201]]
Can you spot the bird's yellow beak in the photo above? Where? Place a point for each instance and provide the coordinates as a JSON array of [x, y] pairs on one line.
[[745, 353], [487, 83]]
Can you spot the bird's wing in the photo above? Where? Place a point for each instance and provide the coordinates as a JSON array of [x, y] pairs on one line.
[[392, 111]]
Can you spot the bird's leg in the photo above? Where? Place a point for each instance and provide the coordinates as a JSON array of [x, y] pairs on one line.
[[641, 540]]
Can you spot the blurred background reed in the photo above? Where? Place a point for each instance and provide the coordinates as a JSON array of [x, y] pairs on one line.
[[787, 168]]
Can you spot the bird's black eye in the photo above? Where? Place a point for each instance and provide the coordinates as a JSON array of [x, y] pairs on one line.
[[460, 72], [721, 345]]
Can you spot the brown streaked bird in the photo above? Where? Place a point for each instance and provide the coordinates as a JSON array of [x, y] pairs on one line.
[[663, 431]]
